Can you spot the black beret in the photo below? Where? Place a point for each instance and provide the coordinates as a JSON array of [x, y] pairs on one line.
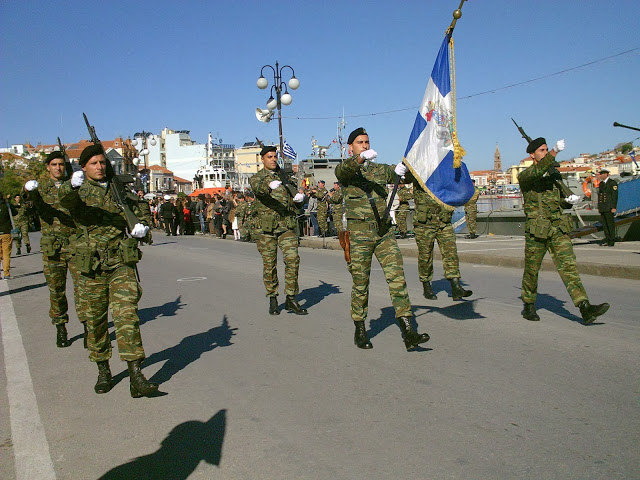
[[535, 144], [322, 181], [90, 151], [53, 155], [266, 149], [355, 133]]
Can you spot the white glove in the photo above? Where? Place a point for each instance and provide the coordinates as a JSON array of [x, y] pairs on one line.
[[559, 146], [572, 199], [298, 197], [275, 184], [369, 154], [31, 185], [77, 178], [401, 169], [139, 231]]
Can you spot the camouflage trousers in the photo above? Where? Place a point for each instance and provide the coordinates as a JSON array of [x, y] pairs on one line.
[[337, 217], [401, 218], [55, 273], [364, 245], [119, 291], [561, 249], [471, 214], [268, 244], [24, 232], [426, 235], [323, 225]]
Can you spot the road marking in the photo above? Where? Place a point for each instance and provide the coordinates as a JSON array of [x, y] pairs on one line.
[[30, 447], [191, 279]]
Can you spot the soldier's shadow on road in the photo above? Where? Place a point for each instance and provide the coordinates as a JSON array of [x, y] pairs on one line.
[[168, 309], [387, 319], [548, 302], [179, 454], [460, 310], [315, 295]]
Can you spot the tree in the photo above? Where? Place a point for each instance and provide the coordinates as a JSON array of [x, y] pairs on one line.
[[626, 148]]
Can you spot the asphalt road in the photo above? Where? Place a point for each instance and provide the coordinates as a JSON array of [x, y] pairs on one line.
[[253, 396]]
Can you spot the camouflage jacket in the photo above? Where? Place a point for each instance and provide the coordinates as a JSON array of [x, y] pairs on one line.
[[472, 204], [322, 194], [337, 197], [540, 194], [361, 180], [404, 195], [241, 212], [55, 220], [274, 209]]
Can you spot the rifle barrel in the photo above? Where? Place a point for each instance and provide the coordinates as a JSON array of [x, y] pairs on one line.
[[616, 124]]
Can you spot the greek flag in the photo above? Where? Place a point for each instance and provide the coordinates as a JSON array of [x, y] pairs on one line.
[[429, 153], [288, 151]]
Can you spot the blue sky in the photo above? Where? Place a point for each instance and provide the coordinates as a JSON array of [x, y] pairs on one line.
[[193, 65]]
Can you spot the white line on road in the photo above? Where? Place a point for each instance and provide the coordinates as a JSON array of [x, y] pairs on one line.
[[30, 447]]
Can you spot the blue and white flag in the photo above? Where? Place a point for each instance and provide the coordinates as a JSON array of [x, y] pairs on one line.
[[288, 151], [429, 153]]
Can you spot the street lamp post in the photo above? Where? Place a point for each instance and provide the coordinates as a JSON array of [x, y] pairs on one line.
[[143, 152], [280, 99]]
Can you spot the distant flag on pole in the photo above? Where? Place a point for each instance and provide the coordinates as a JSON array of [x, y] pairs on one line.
[[288, 151], [433, 140]]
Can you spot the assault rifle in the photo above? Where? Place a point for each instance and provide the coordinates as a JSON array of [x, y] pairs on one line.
[[116, 182], [68, 168]]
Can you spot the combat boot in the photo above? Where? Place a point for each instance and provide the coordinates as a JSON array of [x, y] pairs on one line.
[[139, 385], [61, 336], [529, 312], [105, 380], [428, 291], [28, 248], [18, 251], [409, 335], [292, 305], [84, 335], [360, 338], [457, 291], [273, 306], [591, 312]]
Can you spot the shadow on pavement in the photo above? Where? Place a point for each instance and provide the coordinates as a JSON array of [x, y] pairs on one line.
[[556, 306], [179, 454], [22, 289], [168, 309], [315, 295]]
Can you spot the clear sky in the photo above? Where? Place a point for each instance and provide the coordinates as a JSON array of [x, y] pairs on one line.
[[193, 65]]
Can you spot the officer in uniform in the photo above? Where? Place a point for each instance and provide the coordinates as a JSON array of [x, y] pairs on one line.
[[547, 228], [323, 208], [241, 212], [365, 191], [607, 203], [336, 198], [471, 212], [21, 221], [276, 211], [431, 222], [58, 228], [106, 258], [404, 195]]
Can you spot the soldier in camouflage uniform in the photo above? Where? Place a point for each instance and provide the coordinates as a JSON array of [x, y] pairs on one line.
[[21, 221], [250, 218], [241, 213], [404, 195], [106, 257], [365, 191], [471, 212], [57, 230], [276, 211], [336, 198], [431, 222], [546, 229], [323, 208]]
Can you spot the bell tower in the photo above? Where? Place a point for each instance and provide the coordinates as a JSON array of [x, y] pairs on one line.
[[497, 163]]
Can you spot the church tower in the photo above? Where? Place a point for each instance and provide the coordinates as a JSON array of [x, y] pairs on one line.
[[497, 164]]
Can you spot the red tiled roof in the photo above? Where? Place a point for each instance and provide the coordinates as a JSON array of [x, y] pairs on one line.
[[158, 168], [180, 180]]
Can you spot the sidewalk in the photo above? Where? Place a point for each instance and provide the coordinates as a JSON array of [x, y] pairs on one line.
[[621, 261]]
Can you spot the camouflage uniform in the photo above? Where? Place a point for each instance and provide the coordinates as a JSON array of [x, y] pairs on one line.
[[546, 229], [58, 229], [21, 221], [275, 215], [241, 212], [323, 208], [471, 212], [431, 222], [106, 282], [356, 181], [404, 195], [336, 205]]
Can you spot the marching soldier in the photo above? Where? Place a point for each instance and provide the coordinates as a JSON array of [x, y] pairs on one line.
[[323, 208], [546, 229], [471, 212], [56, 246], [365, 190], [607, 203], [276, 217], [431, 222], [21, 221], [336, 198], [106, 258], [404, 195]]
